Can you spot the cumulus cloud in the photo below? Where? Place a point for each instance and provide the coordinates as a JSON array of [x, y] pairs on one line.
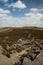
[[18, 4], [4, 11], [36, 9], [34, 17], [4, 0], [10, 21], [3, 15], [30, 19], [7, 20]]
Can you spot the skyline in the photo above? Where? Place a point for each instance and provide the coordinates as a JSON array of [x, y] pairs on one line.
[[18, 13]]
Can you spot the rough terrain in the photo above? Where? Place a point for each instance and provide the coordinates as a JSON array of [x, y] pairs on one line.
[[19, 41]]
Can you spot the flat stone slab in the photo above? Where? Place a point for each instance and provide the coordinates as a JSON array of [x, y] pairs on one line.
[[37, 61]]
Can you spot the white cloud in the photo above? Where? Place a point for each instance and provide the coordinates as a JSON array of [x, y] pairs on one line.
[[10, 21], [3, 15], [18, 4], [30, 19], [35, 13], [4, 11], [36, 9], [4, 0], [6, 20], [34, 17], [29, 14]]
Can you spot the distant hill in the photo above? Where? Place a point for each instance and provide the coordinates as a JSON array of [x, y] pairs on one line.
[[15, 33]]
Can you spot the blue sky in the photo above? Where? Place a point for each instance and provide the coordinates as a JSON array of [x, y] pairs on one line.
[[18, 13]]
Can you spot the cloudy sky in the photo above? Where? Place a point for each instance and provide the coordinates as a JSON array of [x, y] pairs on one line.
[[18, 13]]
